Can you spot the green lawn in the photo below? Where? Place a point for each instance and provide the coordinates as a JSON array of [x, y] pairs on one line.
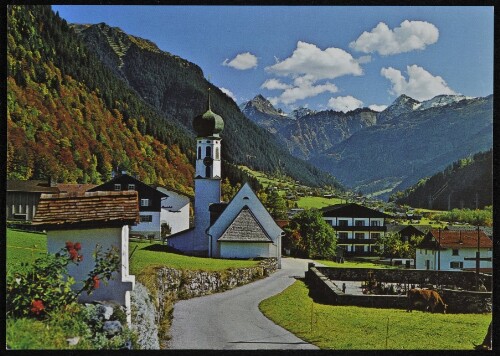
[[150, 255], [24, 247], [317, 202], [353, 264], [353, 328], [27, 247]]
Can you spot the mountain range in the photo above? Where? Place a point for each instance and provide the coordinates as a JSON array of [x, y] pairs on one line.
[[382, 152], [84, 100]]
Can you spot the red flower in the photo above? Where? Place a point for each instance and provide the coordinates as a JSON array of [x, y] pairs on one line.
[[69, 245], [96, 282], [80, 258], [73, 254], [37, 306], [78, 246]]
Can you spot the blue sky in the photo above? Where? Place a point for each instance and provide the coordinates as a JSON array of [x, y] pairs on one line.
[[321, 57]]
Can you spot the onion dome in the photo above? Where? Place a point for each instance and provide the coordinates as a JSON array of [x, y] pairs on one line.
[[208, 124]]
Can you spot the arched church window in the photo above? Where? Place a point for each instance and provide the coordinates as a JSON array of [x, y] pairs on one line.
[[208, 151], [199, 153], [217, 153], [207, 172]]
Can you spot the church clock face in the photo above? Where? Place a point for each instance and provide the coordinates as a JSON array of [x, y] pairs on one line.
[[207, 161]]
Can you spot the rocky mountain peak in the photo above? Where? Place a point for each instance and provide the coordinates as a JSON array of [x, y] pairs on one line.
[[401, 105], [261, 104]]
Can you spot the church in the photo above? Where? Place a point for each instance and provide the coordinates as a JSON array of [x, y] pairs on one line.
[[242, 228]]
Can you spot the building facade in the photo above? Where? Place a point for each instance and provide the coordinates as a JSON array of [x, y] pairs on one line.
[[357, 227], [150, 202], [240, 229], [447, 250], [92, 219]]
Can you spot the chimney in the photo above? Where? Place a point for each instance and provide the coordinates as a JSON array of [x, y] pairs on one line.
[[52, 182]]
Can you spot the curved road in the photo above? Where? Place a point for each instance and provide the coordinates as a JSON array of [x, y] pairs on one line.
[[232, 320]]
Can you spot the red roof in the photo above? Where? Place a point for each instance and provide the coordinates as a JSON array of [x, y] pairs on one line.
[[461, 238]]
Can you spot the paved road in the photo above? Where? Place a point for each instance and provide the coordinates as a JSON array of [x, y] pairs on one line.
[[232, 320]]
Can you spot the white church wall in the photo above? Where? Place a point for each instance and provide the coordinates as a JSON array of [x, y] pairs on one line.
[[245, 197], [245, 249]]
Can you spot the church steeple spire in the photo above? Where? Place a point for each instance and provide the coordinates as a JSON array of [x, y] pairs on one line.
[[208, 124], [208, 101]]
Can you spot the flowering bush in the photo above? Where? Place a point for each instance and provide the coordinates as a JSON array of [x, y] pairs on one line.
[[37, 289]]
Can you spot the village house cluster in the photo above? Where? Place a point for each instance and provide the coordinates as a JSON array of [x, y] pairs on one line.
[[110, 213]]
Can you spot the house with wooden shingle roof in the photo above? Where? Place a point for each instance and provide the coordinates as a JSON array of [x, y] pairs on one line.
[[23, 196], [244, 229], [448, 250], [93, 219]]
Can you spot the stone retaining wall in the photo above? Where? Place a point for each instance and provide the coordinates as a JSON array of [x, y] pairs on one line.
[[465, 280], [322, 289], [172, 284]]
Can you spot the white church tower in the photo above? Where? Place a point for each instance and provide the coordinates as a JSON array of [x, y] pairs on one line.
[[207, 182]]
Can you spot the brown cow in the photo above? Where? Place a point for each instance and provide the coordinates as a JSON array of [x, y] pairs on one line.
[[430, 298]]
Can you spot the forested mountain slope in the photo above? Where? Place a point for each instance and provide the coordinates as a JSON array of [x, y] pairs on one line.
[[467, 183], [73, 117], [178, 89]]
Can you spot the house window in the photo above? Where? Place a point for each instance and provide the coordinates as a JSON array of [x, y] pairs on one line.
[[131, 187], [359, 235], [376, 235], [343, 222], [144, 202], [118, 187], [456, 264], [146, 218], [359, 223], [455, 252], [375, 223], [359, 248], [343, 235]]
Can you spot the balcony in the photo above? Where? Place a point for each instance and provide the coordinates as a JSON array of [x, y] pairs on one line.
[[360, 228], [356, 241]]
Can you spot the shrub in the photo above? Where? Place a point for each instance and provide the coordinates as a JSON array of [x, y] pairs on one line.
[[38, 289]]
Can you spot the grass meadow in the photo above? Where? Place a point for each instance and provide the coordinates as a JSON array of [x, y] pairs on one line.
[[356, 328]]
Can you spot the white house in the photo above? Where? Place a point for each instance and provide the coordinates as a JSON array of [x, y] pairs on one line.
[[357, 227], [244, 229], [174, 210], [454, 250], [98, 218], [150, 202]]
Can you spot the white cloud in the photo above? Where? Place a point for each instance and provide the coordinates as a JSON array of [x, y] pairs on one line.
[[378, 108], [344, 103], [364, 59], [305, 90], [421, 85], [411, 35], [228, 93], [273, 84], [242, 61], [309, 60]]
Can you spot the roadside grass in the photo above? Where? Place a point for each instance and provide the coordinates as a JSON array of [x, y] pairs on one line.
[[357, 328], [148, 255], [354, 264], [24, 247]]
